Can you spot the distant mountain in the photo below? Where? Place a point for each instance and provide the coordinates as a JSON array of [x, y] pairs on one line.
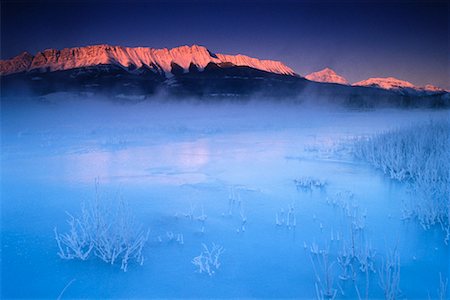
[[401, 86], [432, 88], [194, 71], [161, 61], [388, 83], [326, 75]]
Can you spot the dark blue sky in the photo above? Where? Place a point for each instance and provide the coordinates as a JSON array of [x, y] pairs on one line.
[[404, 39]]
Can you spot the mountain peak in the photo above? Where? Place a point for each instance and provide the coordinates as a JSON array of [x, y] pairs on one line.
[[326, 75], [158, 60]]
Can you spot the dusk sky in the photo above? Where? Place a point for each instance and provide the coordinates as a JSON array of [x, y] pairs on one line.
[[408, 40]]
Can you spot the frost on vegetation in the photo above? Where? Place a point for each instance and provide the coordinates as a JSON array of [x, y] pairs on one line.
[[353, 259], [355, 255], [356, 268], [341, 198], [419, 156], [308, 184], [209, 259], [325, 148], [243, 218], [235, 203], [191, 215], [102, 231], [390, 275], [202, 219], [442, 290], [286, 218], [323, 273], [234, 200], [172, 237], [351, 212]]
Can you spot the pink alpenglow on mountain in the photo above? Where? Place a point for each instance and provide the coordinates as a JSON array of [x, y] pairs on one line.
[[326, 75], [387, 83], [391, 83], [432, 88], [160, 60]]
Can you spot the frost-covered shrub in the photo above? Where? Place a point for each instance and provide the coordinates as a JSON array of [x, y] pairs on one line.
[[107, 233], [208, 260], [420, 156], [77, 243]]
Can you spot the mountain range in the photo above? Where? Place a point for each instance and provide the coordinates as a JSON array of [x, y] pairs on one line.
[[388, 83], [163, 61], [190, 71]]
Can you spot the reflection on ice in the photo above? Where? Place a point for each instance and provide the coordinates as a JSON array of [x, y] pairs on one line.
[[171, 163]]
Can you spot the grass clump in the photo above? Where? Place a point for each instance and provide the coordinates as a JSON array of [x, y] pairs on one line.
[[419, 156], [102, 231]]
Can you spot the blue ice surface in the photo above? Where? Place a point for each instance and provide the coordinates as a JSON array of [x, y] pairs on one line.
[[165, 158]]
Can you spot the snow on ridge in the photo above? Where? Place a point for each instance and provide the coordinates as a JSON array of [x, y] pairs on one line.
[[391, 83], [160, 60], [387, 83], [432, 88], [326, 75], [265, 65]]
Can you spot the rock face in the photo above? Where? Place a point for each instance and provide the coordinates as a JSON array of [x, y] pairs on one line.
[[162, 61], [18, 64], [326, 75]]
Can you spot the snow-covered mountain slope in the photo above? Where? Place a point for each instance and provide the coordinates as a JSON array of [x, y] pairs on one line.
[[326, 75], [391, 83], [132, 59], [432, 88], [387, 83]]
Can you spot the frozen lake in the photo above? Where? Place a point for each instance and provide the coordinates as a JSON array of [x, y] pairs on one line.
[[171, 160]]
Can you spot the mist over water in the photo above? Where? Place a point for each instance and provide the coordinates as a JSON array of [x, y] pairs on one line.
[[165, 157]]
